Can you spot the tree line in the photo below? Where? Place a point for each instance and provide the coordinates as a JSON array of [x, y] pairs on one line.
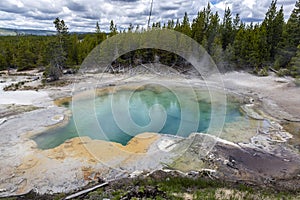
[[234, 44], [272, 44]]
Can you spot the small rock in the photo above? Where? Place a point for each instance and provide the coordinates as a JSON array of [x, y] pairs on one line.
[[269, 180], [281, 80], [135, 174], [232, 159], [58, 118], [225, 162], [3, 120], [211, 157], [2, 190], [231, 165], [193, 173]]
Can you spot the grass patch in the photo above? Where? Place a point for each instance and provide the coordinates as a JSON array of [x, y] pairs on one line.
[[172, 187], [297, 82]]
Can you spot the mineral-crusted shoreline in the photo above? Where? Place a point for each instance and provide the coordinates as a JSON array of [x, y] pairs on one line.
[[265, 159]]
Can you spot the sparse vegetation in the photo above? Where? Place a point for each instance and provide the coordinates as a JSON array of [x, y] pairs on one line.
[[173, 187], [297, 82]]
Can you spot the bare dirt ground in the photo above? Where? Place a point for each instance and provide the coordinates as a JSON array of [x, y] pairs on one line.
[[280, 96], [69, 166], [277, 97]]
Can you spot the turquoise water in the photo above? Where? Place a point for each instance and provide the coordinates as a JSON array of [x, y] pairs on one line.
[[181, 113]]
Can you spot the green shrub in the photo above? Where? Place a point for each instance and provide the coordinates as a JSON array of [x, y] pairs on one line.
[[283, 72], [297, 82], [263, 71]]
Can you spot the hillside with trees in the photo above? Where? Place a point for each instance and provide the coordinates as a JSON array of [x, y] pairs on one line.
[[273, 44]]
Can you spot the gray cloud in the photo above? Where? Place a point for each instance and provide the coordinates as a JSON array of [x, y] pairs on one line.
[[77, 7], [126, 0], [8, 7], [82, 15], [170, 7]]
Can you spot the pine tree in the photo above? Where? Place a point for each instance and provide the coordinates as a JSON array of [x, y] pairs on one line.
[[295, 64], [213, 30], [130, 27], [208, 15], [25, 57], [292, 31], [236, 25], [177, 25], [227, 29], [278, 28], [170, 24], [3, 63], [62, 33], [185, 26], [137, 28], [259, 51], [242, 44], [99, 35], [98, 31], [229, 58], [291, 39], [113, 29], [273, 23], [217, 52], [237, 22], [73, 58], [58, 50], [198, 26]]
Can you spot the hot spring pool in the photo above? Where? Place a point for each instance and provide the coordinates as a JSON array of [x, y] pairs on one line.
[[196, 108]]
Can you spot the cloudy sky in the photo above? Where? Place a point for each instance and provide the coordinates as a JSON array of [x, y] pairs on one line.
[[82, 15]]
